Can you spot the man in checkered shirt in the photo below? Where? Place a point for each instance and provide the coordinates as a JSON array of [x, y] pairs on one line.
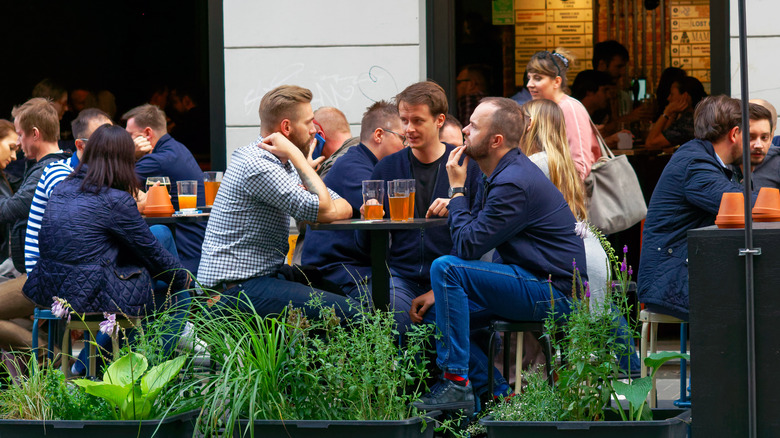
[[267, 182]]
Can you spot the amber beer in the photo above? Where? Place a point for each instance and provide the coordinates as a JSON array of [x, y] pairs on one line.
[[398, 194], [211, 182], [411, 187], [373, 199]]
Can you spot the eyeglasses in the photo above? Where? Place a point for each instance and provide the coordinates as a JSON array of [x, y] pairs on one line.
[[83, 139], [401, 136]]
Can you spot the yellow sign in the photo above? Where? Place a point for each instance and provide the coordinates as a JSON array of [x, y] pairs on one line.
[[571, 15], [565, 28], [531, 29], [690, 50], [690, 11], [530, 40], [574, 41], [529, 4], [569, 4], [690, 24], [529, 16], [688, 37]]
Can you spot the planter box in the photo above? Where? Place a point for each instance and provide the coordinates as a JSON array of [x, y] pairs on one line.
[[668, 423], [181, 425], [409, 428]]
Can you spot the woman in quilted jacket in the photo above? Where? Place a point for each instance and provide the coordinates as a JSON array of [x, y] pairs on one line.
[[96, 251]]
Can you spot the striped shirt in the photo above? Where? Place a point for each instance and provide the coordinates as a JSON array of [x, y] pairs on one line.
[[247, 232], [52, 175]]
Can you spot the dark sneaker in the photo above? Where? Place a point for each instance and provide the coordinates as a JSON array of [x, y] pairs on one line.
[[448, 396]]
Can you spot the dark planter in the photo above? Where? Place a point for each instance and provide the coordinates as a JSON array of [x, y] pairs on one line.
[[668, 423], [181, 425], [409, 428]]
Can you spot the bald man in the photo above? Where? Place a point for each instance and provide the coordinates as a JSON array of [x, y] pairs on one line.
[[333, 127]]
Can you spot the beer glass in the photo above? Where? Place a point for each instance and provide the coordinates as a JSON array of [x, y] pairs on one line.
[[373, 198], [211, 182], [411, 187], [398, 196], [188, 195]]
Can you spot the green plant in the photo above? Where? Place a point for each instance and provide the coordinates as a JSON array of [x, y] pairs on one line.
[[25, 397], [70, 402], [121, 387]]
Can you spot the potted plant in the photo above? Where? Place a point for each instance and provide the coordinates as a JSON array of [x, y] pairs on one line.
[[126, 403], [586, 398], [288, 376]]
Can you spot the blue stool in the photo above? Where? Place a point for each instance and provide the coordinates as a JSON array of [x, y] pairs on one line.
[[44, 314]]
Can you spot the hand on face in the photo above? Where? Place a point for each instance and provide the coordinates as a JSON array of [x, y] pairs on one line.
[[280, 146], [142, 146], [455, 171]]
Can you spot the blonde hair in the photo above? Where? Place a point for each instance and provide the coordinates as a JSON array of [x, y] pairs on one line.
[[38, 112], [548, 134], [552, 64]]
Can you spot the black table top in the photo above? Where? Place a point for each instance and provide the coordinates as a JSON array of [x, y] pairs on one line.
[[384, 224]]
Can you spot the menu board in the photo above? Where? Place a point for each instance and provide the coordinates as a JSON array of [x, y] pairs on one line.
[[548, 24], [690, 43]]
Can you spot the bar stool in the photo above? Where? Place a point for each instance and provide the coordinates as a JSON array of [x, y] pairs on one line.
[[517, 327], [91, 325], [650, 321], [43, 314]]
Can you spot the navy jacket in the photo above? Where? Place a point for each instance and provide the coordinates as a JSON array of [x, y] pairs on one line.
[[172, 159], [413, 251], [98, 253], [525, 218], [687, 196], [336, 253]]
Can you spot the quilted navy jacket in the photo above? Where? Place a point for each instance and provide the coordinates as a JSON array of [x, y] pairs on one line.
[[98, 253]]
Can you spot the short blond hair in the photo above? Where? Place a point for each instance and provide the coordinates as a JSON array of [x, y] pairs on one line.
[[38, 112], [282, 103], [148, 116]]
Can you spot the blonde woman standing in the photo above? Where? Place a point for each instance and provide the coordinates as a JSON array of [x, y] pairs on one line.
[[547, 80]]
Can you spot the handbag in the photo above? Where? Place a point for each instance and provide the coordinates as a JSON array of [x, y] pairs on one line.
[[615, 199]]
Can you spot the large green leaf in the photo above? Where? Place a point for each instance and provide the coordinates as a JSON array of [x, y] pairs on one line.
[[135, 406], [126, 370], [160, 375], [114, 394], [635, 392], [655, 360]]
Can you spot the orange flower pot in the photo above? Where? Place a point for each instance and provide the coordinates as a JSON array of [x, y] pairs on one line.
[[732, 211], [158, 202], [767, 208]]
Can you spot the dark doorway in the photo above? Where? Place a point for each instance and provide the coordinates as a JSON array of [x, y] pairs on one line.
[[131, 49]]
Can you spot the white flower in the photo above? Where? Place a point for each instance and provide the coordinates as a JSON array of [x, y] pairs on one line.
[[59, 308], [582, 229]]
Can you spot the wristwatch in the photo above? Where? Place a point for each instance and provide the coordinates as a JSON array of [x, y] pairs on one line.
[[455, 190]]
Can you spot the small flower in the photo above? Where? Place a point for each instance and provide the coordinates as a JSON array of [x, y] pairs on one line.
[[587, 290], [574, 264], [625, 249], [581, 229], [623, 266], [630, 271], [59, 308], [109, 326]]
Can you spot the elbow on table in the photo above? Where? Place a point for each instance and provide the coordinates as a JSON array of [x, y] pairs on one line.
[[339, 209]]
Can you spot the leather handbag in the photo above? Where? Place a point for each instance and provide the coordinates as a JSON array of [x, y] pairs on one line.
[[615, 199]]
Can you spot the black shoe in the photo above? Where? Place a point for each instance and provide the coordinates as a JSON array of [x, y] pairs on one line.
[[446, 395]]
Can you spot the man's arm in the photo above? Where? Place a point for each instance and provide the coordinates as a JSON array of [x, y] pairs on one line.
[[705, 184], [17, 206], [329, 209]]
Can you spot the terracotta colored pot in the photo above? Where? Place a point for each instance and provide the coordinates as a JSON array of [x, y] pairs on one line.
[[767, 208], [158, 202], [732, 211]]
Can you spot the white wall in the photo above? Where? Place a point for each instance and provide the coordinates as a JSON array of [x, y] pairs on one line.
[[350, 53], [763, 50]]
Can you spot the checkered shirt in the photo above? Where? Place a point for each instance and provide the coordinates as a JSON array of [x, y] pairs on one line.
[[249, 225]]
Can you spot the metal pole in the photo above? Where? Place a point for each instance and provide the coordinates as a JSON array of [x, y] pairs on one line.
[[749, 251]]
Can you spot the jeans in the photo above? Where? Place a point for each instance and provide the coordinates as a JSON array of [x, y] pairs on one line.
[[269, 295], [402, 292], [506, 291]]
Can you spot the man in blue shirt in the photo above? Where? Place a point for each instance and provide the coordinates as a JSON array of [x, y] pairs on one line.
[[160, 155], [335, 253], [524, 217]]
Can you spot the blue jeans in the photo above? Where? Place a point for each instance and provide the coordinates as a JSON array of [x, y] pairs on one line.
[[269, 295], [402, 292], [506, 291]]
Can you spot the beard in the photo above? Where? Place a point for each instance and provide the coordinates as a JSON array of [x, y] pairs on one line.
[[302, 142], [476, 150]]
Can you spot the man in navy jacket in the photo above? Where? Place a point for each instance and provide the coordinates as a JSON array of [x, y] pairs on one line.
[[423, 109], [524, 217], [688, 196], [167, 157], [336, 253]]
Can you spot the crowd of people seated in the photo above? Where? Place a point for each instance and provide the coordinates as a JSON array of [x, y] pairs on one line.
[[508, 177]]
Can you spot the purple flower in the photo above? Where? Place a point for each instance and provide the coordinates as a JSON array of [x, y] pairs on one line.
[[630, 271], [109, 326], [59, 308], [623, 266], [587, 290], [625, 249], [574, 264]]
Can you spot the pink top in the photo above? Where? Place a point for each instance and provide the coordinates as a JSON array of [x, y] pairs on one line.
[[583, 144]]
